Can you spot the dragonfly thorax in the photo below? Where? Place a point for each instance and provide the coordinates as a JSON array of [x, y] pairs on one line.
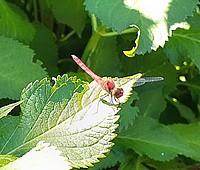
[[110, 87]]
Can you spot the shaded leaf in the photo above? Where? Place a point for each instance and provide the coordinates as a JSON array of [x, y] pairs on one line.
[[45, 49], [184, 111], [70, 12], [175, 164], [189, 134], [148, 137], [147, 64], [105, 55], [185, 44], [151, 101], [17, 68], [151, 96], [115, 156], [128, 113], [20, 28], [194, 87], [133, 164]]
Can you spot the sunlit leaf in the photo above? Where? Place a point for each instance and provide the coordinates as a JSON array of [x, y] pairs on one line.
[[5, 159], [155, 26], [43, 156], [71, 115], [7, 109]]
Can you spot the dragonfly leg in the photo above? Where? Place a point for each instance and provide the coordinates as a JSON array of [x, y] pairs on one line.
[[118, 102], [111, 103]]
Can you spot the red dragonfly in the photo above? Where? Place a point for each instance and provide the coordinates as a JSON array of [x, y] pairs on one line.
[[109, 85]]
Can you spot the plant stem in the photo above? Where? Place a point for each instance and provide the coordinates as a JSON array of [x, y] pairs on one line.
[[127, 31], [189, 85], [35, 9], [91, 46], [97, 34]]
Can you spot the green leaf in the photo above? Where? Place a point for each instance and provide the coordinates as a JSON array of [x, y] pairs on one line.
[[8, 126], [105, 54], [45, 49], [148, 137], [7, 109], [17, 68], [184, 110], [71, 13], [189, 134], [194, 87], [175, 164], [134, 165], [14, 23], [61, 115], [115, 156], [151, 101], [155, 26], [151, 96], [128, 113], [185, 44], [43, 156]]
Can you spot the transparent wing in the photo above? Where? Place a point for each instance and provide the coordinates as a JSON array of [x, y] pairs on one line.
[[144, 80]]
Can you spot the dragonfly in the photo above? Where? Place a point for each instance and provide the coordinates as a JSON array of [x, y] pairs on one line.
[[108, 84]]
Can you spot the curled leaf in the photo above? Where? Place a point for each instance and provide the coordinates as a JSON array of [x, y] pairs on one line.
[[131, 53], [7, 109]]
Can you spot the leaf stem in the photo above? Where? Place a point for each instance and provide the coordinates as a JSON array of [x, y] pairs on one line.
[[91, 46], [97, 34], [127, 31], [67, 36]]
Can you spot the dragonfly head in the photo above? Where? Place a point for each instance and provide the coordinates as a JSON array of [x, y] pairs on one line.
[[118, 92]]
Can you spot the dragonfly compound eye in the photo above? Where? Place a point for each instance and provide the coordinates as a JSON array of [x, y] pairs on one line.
[[119, 92]]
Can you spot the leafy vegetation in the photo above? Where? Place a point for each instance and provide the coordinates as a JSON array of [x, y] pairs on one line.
[[156, 125]]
